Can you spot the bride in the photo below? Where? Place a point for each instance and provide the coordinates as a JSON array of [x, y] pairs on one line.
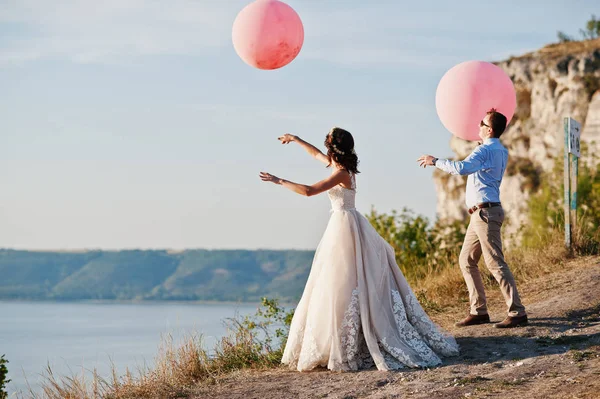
[[357, 310]]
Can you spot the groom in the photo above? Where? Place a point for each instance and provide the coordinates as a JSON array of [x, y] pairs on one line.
[[485, 167]]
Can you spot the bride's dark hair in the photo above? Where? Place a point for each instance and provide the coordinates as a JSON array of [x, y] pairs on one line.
[[340, 148]]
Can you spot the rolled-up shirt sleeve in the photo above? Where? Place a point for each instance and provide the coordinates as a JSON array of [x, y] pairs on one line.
[[471, 164]]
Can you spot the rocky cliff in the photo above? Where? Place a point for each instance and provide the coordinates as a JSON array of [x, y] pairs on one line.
[[556, 81]]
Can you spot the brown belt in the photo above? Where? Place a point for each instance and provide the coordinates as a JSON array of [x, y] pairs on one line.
[[483, 205]]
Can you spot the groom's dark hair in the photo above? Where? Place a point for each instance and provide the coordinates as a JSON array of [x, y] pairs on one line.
[[497, 122]]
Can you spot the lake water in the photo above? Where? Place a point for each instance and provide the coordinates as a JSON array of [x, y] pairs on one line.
[[75, 336]]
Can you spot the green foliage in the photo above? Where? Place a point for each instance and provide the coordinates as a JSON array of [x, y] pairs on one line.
[[591, 84], [3, 380], [591, 31], [420, 248], [266, 318], [546, 207], [257, 340], [563, 37], [406, 232]]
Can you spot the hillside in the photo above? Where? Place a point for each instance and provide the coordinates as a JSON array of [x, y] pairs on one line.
[[219, 275]]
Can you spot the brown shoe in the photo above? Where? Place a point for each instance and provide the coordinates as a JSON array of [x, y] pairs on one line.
[[473, 320], [511, 322]]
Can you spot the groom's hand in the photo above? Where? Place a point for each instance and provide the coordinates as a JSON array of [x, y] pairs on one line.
[[425, 160]]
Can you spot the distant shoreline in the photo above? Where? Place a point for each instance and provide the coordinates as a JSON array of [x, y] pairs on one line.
[[228, 277], [137, 302]]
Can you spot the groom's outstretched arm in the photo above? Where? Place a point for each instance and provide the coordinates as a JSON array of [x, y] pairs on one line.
[[471, 164]]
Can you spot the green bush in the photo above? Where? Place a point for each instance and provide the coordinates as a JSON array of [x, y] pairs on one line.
[[546, 208], [3, 380], [255, 341], [421, 248], [591, 31]]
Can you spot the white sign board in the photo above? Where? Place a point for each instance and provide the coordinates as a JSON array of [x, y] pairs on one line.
[[574, 135]]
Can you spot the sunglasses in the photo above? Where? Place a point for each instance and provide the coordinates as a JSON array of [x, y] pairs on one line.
[[482, 124]]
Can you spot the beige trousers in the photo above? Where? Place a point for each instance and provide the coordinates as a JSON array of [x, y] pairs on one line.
[[483, 236]]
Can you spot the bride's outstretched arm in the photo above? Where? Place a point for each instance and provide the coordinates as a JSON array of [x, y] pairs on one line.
[[311, 149], [339, 176]]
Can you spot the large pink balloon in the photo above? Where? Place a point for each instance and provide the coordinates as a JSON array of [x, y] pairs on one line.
[[267, 34], [467, 91]]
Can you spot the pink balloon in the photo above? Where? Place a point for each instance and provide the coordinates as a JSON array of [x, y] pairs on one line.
[[470, 89], [267, 34]]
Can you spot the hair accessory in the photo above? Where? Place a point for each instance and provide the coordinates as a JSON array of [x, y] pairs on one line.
[[335, 149]]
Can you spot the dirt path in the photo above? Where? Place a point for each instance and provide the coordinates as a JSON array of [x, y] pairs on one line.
[[556, 356]]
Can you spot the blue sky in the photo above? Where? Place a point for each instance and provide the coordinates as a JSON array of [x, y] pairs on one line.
[[133, 124]]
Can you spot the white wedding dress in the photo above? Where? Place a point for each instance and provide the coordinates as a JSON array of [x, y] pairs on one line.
[[357, 309]]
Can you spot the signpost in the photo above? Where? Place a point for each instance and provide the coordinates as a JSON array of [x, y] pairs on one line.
[[572, 154]]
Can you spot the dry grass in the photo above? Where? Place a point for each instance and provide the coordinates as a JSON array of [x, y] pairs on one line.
[[557, 50], [445, 286], [177, 370], [75, 386], [572, 47]]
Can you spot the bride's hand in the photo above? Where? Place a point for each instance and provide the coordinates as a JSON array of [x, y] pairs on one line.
[[286, 138], [264, 176]]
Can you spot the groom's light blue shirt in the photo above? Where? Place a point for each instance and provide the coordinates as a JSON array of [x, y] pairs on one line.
[[485, 167]]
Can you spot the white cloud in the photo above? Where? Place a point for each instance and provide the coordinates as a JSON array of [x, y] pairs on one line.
[[350, 33], [90, 31]]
